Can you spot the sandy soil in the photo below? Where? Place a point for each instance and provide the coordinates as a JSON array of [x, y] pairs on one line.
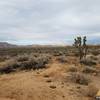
[[45, 84]]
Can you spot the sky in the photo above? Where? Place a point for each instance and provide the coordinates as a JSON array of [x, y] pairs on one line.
[[49, 21]]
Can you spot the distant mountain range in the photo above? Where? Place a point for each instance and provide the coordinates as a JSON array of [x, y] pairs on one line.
[[6, 45]]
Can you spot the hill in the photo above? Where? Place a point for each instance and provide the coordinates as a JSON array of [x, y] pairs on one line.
[[6, 45]]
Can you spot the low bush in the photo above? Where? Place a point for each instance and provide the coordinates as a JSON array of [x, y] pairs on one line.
[[21, 58], [88, 69], [25, 63], [79, 78], [96, 52], [4, 58], [98, 57], [90, 60], [72, 69], [90, 63], [62, 59]]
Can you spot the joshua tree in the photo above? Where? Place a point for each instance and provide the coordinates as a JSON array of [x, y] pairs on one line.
[[81, 46], [84, 47]]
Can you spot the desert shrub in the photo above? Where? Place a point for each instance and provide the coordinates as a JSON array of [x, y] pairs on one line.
[[21, 63], [4, 58], [58, 53], [96, 52], [79, 78], [88, 69], [22, 58], [72, 69], [89, 60], [9, 66], [98, 57], [62, 59], [6, 70], [91, 57], [76, 54], [36, 63]]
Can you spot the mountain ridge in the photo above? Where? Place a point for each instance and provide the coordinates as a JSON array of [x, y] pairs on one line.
[[6, 45]]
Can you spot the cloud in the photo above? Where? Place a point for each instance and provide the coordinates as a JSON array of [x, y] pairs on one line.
[[43, 21]]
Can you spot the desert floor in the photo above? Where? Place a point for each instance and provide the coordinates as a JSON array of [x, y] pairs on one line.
[[51, 83]]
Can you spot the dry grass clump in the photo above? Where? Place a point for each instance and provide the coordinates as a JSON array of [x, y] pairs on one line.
[[62, 59], [72, 69], [4, 58], [57, 53], [90, 60], [22, 58], [25, 63], [9, 66], [79, 78], [88, 69], [96, 52], [98, 57]]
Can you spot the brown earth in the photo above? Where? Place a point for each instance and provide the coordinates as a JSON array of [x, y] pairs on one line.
[[44, 84]]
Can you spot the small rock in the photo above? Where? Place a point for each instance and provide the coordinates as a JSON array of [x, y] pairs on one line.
[[49, 80], [52, 86], [63, 96], [78, 87], [46, 76], [62, 86], [62, 83], [38, 72]]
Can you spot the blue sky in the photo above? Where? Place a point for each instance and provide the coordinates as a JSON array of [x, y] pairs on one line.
[[49, 21]]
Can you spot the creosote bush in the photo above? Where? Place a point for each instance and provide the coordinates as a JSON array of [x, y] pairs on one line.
[[62, 59], [96, 52], [79, 78], [22, 58], [89, 60], [72, 69], [88, 69], [25, 62], [98, 57], [3, 58]]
